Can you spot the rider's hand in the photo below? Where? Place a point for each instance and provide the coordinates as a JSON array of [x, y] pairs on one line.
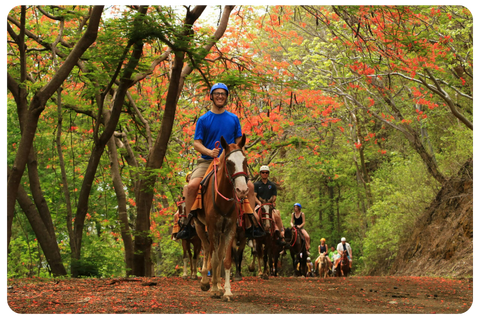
[[214, 152]]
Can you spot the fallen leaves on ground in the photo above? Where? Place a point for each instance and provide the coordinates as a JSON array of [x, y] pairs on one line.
[[251, 295]]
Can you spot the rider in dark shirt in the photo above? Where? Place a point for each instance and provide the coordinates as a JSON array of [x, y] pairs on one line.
[[298, 221], [266, 190]]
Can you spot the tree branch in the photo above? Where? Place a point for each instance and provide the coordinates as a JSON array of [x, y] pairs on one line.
[[444, 95]]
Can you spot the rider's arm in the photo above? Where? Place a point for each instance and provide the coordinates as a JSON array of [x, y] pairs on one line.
[[273, 199], [199, 147], [291, 220], [258, 202]]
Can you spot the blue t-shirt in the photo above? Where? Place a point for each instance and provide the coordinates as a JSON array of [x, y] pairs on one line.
[[210, 127]]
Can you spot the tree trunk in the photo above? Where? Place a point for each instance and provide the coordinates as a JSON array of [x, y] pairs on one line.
[[45, 239], [100, 143], [142, 259], [338, 210], [37, 104], [66, 193], [122, 205]]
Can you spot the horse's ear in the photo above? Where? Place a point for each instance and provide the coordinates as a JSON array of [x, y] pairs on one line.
[[242, 141], [223, 142]]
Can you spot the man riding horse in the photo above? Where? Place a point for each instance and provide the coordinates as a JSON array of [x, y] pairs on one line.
[[344, 247], [266, 192], [209, 128]]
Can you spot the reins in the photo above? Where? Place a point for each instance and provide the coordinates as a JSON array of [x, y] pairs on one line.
[[294, 238], [264, 213], [231, 179]]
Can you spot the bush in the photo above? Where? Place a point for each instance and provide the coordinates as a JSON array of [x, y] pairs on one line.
[[86, 267]]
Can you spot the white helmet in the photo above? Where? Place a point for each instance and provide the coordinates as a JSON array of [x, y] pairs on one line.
[[343, 239], [264, 168]]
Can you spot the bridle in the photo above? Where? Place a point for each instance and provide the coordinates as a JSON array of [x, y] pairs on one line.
[[183, 215], [294, 238], [267, 216], [231, 178]]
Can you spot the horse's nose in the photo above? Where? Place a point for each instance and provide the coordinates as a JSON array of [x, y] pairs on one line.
[[242, 192]]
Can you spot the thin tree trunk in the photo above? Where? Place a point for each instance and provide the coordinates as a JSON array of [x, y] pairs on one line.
[[61, 161], [338, 210], [122, 205]]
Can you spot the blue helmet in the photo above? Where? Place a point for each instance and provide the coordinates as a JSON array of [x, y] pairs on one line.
[[218, 86], [298, 204]]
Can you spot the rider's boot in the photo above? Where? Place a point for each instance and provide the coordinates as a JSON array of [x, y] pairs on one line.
[[187, 231], [253, 231], [257, 230]]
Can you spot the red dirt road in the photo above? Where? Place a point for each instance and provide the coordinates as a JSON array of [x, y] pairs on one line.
[[251, 295]]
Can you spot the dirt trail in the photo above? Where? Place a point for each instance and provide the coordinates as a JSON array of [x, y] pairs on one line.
[[251, 295]]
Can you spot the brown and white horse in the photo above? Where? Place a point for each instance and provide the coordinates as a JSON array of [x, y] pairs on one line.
[[186, 245], [222, 194]]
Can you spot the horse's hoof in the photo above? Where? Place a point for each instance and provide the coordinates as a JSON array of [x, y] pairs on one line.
[[217, 295], [227, 298], [265, 276], [205, 287], [194, 277], [184, 277]]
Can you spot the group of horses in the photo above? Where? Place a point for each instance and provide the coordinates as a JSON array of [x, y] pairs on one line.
[[222, 196]]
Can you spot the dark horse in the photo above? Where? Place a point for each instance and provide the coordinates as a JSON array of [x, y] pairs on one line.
[[343, 268], [265, 243], [238, 246], [296, 245], [186, 245], [223, 197]]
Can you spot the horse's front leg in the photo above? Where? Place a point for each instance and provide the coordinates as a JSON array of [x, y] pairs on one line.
[[259, 260], [186, 249], [216, 290], [251, 266], [227, 263], [266, 271], [200, 228]]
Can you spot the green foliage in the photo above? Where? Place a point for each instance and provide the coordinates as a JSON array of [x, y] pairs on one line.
[[402, 190]]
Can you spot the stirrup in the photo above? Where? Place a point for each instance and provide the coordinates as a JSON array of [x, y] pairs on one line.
[[186, 232]]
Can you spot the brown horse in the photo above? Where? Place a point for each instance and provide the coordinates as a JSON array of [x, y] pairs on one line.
[[343, 268], [298, 251], [186, 245], [265, 243], [322, 266], [238, 246], [227, 188]]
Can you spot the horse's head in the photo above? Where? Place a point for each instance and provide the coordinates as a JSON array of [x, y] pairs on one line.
[[343, 256], [236, 166], [289, 235], [323, 258], [182, 212], [266, 214]]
